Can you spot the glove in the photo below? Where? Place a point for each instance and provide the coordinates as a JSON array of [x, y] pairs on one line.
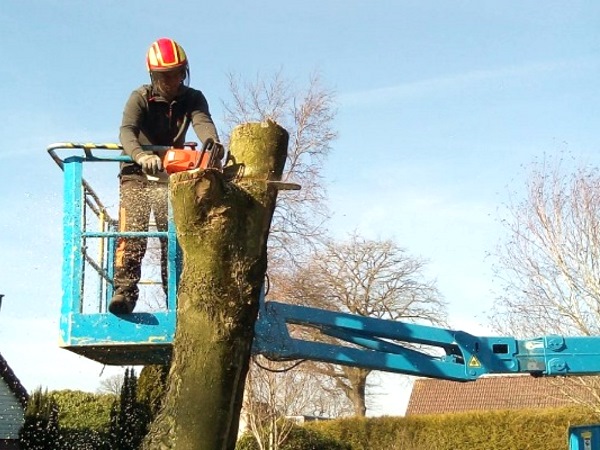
[[150, 163]]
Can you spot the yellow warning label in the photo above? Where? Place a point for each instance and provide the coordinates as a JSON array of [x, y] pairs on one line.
[[474, 362]]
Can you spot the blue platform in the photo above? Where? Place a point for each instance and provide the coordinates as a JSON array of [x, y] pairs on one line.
[[86, 327]]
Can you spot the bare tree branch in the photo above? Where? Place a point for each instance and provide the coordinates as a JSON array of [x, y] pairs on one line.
[[364, 277], [549, 264], [307, 114], [276, 395], [111, 385]]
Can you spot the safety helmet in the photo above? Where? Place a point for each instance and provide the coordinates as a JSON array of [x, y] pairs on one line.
[[165, 55]]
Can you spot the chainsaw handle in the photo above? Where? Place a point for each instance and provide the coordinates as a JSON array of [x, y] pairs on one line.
[[209, 145]]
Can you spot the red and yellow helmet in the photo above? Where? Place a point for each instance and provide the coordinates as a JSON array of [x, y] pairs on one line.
[[165, 55]]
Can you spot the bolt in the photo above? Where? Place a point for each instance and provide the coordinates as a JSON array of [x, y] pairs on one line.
[[557, 365], [555, 343]]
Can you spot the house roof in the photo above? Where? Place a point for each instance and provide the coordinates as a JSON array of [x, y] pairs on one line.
[[13, 382], [431, 396]]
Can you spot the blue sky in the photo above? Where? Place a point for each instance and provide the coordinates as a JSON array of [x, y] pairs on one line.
[[440, 106]]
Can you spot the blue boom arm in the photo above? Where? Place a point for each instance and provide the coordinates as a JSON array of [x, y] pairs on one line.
[[398, 347]]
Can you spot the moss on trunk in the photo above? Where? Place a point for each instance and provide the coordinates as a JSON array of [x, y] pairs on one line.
[[222, 228]]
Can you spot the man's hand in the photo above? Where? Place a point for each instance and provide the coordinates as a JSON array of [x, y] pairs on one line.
[[150, 163]]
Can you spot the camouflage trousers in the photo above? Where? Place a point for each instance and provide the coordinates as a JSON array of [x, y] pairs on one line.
[[137, 200]]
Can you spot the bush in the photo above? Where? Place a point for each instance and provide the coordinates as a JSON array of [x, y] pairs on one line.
[[83, 410], [246, 442], [83, 440], [545, 429], [40, 429], [152, 386], [300, 438]]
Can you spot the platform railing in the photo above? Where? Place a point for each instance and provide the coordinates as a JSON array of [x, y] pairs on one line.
[[80, 199]]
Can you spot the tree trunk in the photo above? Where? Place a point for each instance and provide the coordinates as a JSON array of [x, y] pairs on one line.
[[357, 393], [222, 228]]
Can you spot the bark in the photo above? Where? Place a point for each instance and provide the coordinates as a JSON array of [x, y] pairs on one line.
[[222, 228], [356, 389]]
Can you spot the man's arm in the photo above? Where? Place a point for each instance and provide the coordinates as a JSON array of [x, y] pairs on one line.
[[202, 122], [130, 125]]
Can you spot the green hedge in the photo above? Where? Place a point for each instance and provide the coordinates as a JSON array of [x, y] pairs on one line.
[[300, 438], [502, 430], [83, 410], [86, 418]]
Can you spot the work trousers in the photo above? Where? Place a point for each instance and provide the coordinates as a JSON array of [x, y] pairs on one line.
[[138, 199]]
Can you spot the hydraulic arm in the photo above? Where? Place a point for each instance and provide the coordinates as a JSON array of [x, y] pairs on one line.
[[416, 349]]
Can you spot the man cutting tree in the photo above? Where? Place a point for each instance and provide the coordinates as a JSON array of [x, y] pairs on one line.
[[158, 113]]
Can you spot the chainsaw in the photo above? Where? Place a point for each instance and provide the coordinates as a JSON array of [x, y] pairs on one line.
[[189, 158]]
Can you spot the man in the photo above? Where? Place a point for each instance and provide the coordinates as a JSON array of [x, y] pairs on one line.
[[155, 114]]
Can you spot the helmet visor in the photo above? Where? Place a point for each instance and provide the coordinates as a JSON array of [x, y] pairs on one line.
[[168, 83]]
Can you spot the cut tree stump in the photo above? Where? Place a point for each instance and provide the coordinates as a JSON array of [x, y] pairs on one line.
[[222, 228]]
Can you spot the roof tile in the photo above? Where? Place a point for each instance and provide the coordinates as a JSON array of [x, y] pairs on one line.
[[430, 396]]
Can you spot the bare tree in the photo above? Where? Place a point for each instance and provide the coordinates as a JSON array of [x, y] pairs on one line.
[[307, 113], [278, 395], [549, 264], [111, 385], [371, 278]]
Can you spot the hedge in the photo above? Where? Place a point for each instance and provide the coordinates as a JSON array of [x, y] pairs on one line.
[[300, 438], [83, 410], [545, 429]]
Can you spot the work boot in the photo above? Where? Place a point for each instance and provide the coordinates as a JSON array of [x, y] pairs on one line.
[[121, 304]]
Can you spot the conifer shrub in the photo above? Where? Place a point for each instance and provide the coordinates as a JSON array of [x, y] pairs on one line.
[[40, 430], [152, 385]]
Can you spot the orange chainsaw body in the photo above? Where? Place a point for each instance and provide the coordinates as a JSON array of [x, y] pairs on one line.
[[181, 159]]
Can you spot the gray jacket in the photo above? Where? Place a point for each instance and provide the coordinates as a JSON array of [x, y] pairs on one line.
[[148, 119]]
